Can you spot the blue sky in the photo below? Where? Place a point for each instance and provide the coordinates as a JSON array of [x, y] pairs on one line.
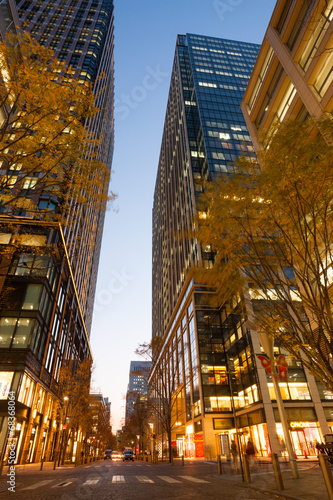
[[145, 39]]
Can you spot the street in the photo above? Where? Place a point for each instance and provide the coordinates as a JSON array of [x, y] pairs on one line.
[[115, 480]]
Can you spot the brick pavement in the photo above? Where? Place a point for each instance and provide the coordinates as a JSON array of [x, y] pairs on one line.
[[310, 485]]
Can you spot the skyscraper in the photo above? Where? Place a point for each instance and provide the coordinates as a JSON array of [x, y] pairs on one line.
[[45, 320], [137, 385], [221, 392], [81, 34]]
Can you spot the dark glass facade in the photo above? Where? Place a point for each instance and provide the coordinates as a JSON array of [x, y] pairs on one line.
[[47, 282]]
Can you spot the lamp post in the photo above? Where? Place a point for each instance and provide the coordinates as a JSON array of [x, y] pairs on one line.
[[63, 430], [267, 342]]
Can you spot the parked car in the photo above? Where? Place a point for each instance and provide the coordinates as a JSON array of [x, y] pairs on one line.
[[128, 455], [107, 454]]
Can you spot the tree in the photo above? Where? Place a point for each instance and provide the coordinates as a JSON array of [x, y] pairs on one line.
[[74, 409], [166, 400], [271, 232], [45, 147], [138, 421]]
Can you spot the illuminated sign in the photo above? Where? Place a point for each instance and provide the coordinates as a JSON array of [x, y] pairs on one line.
[[302, 425]]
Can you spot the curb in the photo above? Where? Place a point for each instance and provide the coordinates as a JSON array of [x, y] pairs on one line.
[[273, 493]]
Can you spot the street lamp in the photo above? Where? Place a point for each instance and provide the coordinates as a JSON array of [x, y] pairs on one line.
[[267, 342]]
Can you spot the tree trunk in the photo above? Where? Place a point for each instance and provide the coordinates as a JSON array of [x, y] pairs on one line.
[[170, 448]]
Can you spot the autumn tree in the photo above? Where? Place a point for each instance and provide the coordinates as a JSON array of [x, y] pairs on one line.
[[269, 226], [74, 409], [45, 147], [137, 423]]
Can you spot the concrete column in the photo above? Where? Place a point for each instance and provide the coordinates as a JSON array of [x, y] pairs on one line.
[[295, 74], [317, 402], [269, 411]]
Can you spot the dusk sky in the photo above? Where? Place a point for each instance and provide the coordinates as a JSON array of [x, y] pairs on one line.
[[145, 39]]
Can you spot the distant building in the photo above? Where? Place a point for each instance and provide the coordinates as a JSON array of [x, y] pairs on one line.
[[99, 436], [137, 386]]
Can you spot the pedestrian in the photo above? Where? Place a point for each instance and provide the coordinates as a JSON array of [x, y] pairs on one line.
[[234, 453], [250, 452]]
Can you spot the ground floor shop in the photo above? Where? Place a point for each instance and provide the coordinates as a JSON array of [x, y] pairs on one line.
[[218, 434], [28, 429]]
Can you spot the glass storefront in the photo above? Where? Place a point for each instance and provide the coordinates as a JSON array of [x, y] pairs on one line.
[[304, 437], [256, 433]]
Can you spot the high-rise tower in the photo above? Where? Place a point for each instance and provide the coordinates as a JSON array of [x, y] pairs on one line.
[[81, 34], [45, 314], [219, 391]]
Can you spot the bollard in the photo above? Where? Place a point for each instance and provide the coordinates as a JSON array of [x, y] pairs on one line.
[[55, 463], [277, 472], [246, 469], [41, 464], [219, 464], [325, 468], [183, 461], [171, 459]]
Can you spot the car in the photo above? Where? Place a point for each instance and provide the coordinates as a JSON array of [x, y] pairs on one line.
[[107, 454], [116, 455], [128, 455]]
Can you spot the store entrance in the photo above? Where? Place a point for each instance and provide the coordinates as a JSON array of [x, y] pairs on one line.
[[299, 442], [180, 447]]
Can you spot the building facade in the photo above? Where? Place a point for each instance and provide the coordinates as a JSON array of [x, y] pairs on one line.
[[293, 76], [222, 392], [137, 385], [47, 295]]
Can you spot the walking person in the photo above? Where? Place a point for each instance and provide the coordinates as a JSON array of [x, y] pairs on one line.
[[250, 452], [234, 453]]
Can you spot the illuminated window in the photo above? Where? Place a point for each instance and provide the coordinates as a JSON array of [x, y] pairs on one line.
[[208, 84]]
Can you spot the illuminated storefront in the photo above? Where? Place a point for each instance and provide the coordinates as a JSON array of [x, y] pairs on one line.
[[304, 435]]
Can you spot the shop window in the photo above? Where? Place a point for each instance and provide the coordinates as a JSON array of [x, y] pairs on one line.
[[35, 240], [293, 390], [23, 332], [24, 265], [7, 327], [26, 391], [324, 393], [40, 400], [32, 296], [5, 238], [5, 383]]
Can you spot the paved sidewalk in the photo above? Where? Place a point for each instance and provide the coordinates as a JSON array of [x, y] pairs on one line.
[[309, 486]]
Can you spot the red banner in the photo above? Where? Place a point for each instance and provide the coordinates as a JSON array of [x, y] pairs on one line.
[[281, 364]]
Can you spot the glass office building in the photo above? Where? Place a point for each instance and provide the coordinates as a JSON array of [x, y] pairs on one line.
[[222, 391], [47, 297]]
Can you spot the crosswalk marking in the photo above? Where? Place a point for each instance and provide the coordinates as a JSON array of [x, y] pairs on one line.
[[64, 483], [92, 480], [144, 479], [169, 479], [194, 479], [118, 479], [38, 485]]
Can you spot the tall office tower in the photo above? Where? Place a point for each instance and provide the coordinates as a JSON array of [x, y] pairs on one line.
[[47, 297], [81, 34], [137, 385], [220, 391]]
